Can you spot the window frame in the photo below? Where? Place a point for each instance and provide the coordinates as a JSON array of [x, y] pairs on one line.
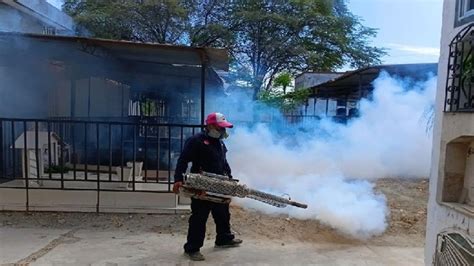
[[464, 14]]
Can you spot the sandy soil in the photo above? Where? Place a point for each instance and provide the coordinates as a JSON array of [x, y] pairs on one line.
[[407, 200]]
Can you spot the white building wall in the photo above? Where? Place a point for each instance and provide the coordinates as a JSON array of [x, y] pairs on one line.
[[12, 20], [34, 16], [447, 126]]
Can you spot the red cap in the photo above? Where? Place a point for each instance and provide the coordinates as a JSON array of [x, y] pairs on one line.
[[218, 119]]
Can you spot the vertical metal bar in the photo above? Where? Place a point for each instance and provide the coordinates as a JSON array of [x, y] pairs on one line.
[[98, 167], [74, 151], [6, 136], [55, 158], [203, 90], [89, 99], [327, 106], [121, 152], [450, 77], [169, 158], [146, 150], [49, 151], [470, 79], [86, 161], [447, 80], [36, 151], [61, 153], [98, 150], [181, 139], [454, 77], [25, 157], [73, 98], [469, 100], [2, 161], [314, 106], [134, 153], [158, 137], [13, 150], [461, 71], [110, 152], [122, 103]]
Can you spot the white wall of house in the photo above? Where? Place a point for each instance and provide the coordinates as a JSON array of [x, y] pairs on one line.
[[12, 20], [34, 16], [450, 163]]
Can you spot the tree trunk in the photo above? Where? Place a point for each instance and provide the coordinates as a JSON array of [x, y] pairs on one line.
[[257, 85]]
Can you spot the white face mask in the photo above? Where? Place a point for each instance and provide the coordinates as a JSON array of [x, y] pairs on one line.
[[217, 134]]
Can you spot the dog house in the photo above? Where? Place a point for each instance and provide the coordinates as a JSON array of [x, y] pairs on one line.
[[38, 159]]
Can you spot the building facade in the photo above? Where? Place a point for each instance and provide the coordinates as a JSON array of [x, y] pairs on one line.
[[34, 16], [338, 95], [450, 226], [119, 111]]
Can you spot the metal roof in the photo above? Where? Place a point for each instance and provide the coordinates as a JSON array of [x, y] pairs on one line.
[[350, 83], [415, 71], [144, 52]]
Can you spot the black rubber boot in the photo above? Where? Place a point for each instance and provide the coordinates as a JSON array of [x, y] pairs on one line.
[[231, 244]]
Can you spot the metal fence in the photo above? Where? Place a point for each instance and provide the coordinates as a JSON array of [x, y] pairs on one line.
[[459, 94], [90, 155]]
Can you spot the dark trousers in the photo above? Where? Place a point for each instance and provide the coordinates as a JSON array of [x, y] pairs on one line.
[[197, 224]]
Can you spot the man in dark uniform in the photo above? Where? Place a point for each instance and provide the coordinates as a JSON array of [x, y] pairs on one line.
[[207, 152]]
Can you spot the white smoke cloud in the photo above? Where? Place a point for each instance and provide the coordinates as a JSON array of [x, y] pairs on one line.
[[330, 167]]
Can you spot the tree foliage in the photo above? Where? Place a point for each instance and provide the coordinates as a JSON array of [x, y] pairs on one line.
[[283, 80], [264, 37], [285, 102]]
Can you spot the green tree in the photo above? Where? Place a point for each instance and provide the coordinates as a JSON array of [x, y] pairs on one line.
[[283, 80], [278, 97], [160, 21], [264, 37], [300, 35], [210, 24], [285, 102]]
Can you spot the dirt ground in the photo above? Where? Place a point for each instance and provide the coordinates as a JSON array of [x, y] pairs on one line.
[[407, 200]]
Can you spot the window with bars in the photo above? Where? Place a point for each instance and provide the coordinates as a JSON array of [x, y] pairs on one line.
[[49, 30], [189, 109], [459, 95]]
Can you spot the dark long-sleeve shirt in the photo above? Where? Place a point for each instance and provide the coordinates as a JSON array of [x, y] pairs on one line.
[[205, 153]]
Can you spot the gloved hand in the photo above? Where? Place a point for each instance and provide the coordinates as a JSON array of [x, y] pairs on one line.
[[176, 187]]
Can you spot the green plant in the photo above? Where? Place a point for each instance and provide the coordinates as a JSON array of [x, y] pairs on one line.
[[284, 102], [467, 68], [283, 80]]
